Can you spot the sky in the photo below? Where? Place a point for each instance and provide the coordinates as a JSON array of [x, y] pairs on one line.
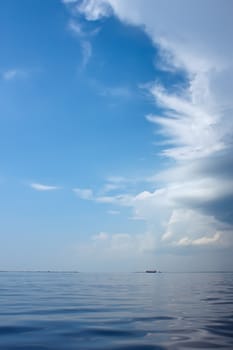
[[116, 134]]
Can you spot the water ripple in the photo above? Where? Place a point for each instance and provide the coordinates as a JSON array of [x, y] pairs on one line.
[[116, 312]]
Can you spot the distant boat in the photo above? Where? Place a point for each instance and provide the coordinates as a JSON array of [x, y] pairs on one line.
[[151, 271]]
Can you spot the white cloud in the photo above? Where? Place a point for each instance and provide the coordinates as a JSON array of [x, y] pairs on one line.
[[81, 32], [69, 1], [196, 226], [192, 120], [193, 200], [94, 9], [184, 29], [192, 127], [205, 240], [115, 91], [109, 187], [175, 209], [119, 199], [117, 179], [85, 193], [88, 194], [113, 212], [14, 73], [102, 236], [76, 28], [42, 187], [86, 51]]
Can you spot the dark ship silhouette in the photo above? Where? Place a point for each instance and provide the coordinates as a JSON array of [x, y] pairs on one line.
[[150, 271]]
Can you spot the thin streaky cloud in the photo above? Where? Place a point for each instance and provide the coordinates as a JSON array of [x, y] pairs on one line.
[[113, 212], [69, 1], [13, 73], [83, 36], [111, 91], [115, 91], [76, 28], [86, 52], [43, 187], [83, 193], [204, 240]]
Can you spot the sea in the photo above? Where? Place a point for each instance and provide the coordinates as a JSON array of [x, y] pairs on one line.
[[67, 310]]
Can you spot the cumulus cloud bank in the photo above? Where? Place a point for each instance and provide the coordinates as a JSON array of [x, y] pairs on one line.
[[193, 202]]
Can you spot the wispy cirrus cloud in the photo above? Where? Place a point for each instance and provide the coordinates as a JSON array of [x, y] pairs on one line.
[[69, 1], [13, 73], [42, 187], [83, 34], [111, 91], [93, 9], [84, 193], [88, 194], [84, 38], [76, 28], [192, 129], [87, 52], [113, 212], [115, 91]]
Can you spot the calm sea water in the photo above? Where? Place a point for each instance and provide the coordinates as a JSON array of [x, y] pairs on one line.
[[126, 311]]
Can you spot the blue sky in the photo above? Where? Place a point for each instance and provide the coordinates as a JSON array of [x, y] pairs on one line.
[[115, 131]]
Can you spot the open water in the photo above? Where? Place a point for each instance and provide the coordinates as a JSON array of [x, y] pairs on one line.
[[53, 311]]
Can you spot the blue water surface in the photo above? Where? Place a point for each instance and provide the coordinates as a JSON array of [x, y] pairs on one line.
[[48, 311]]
